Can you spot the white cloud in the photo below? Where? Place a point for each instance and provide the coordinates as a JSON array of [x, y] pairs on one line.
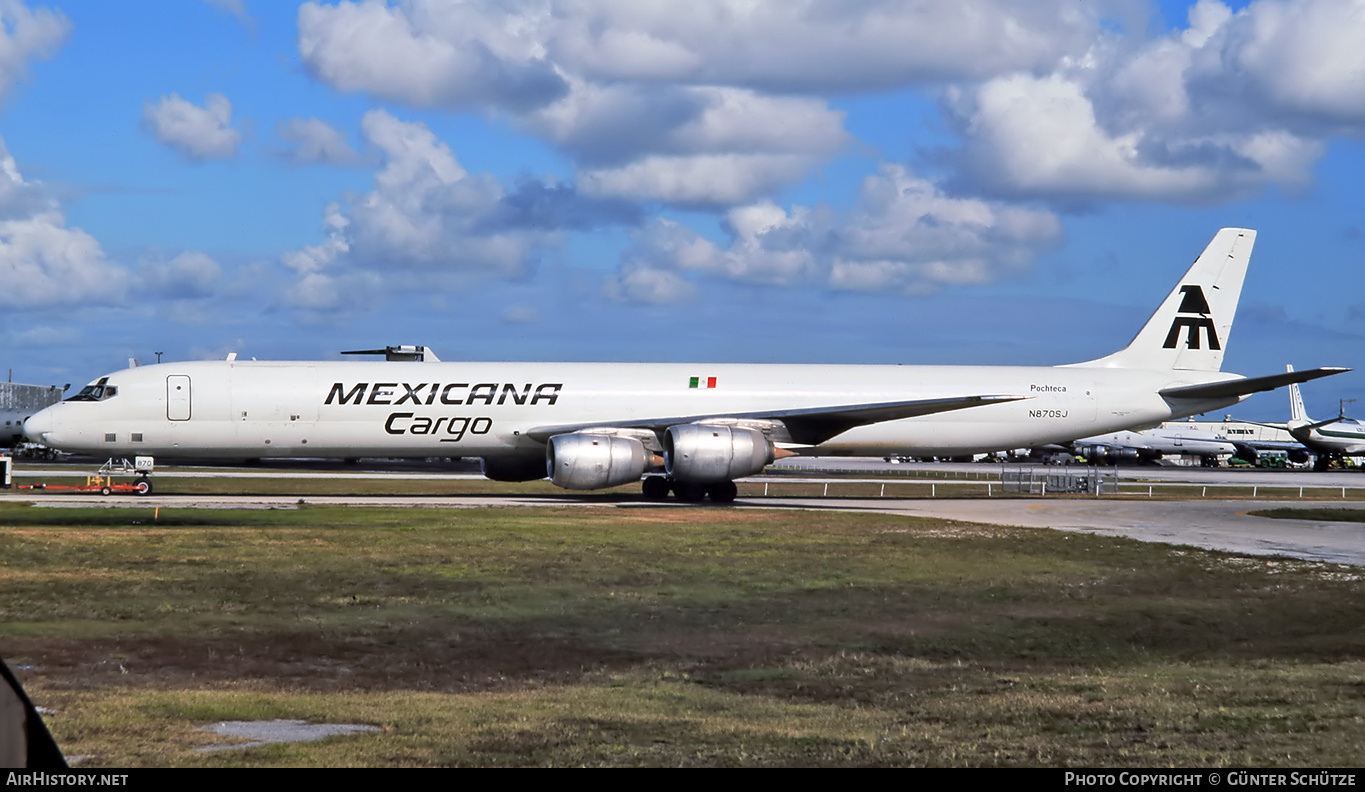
[[721, 107], [698, 180], [915, 238], [612, 124], [513, 52], [316, 258], [426, 210], [815, 47], [427, 222], [702, 109], [200, 133], [316, 141], [904, 235], [18, 198], [428, 54], [1039, 136], [42, 262], [645, 284], [188, 275], [24, 35], [1299, 57], [320, 291], [1216, 111], [690, 146]]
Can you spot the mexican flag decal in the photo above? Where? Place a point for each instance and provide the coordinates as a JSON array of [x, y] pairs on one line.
[[702, 382]]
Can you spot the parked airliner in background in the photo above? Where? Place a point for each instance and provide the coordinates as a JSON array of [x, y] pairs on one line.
[[1329, 440], [1153, 444], [595, 425]]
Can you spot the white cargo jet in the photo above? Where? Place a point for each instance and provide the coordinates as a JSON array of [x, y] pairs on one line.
[[698, 426]]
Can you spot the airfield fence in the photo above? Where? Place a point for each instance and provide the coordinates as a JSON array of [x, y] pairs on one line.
[[1028, 481], [1040, 481]]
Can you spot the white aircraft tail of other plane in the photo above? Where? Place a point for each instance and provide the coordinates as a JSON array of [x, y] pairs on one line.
[[1331, 439], [691, 428], [1298, 416]]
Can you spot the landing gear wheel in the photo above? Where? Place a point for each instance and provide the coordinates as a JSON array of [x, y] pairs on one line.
[[144, 487], [722, 492], [655, 488], [689, 493]]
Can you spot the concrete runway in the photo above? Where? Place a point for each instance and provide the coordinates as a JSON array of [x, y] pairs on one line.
[[1207, 523], [1211, 524]]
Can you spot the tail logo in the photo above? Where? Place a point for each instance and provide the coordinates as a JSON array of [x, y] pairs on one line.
[[1194, 315]]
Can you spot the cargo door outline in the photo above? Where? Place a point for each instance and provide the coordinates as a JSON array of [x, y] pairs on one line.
[[178, 397]]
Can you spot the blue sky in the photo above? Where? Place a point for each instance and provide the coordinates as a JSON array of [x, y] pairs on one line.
[[930, 182]]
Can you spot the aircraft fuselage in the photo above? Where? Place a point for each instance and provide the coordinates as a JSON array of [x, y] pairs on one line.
[[249, 409]]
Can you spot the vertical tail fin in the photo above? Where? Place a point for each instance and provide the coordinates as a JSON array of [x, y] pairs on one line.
[[1298, 416], [1190, 330]]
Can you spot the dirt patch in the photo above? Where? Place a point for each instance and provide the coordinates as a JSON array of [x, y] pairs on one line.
[[408, 660]]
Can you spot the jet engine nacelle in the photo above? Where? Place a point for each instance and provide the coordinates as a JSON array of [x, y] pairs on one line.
[[1099, 454], [1299, 456], [583, 461], [512, 468], [703, 454]]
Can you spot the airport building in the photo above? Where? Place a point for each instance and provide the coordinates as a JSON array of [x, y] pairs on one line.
[[18, 402], [1237, 431]]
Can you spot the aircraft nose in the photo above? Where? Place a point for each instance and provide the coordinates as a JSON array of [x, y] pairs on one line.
[[37, 425]]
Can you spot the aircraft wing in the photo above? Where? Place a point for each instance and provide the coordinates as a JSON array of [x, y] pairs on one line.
[[1247, 385], [807, 426]]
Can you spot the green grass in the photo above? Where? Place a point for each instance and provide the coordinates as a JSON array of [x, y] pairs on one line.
[[671, 636]]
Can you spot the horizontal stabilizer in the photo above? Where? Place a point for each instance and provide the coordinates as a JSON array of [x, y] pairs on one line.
[[1243, 386], [1318, 424], [807, 426]]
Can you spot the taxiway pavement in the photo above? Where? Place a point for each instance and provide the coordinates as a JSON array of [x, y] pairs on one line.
[[1211, 524]]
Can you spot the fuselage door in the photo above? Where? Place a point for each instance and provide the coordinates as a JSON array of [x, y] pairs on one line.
[[178, 397]]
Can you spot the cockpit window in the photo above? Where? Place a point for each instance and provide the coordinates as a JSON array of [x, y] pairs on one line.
[[98, 390]]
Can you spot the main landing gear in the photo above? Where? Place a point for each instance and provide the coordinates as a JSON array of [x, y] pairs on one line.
[[1325, 462], [656, 488]]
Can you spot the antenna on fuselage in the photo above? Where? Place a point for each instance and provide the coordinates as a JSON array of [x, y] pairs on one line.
[[403, 353]]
